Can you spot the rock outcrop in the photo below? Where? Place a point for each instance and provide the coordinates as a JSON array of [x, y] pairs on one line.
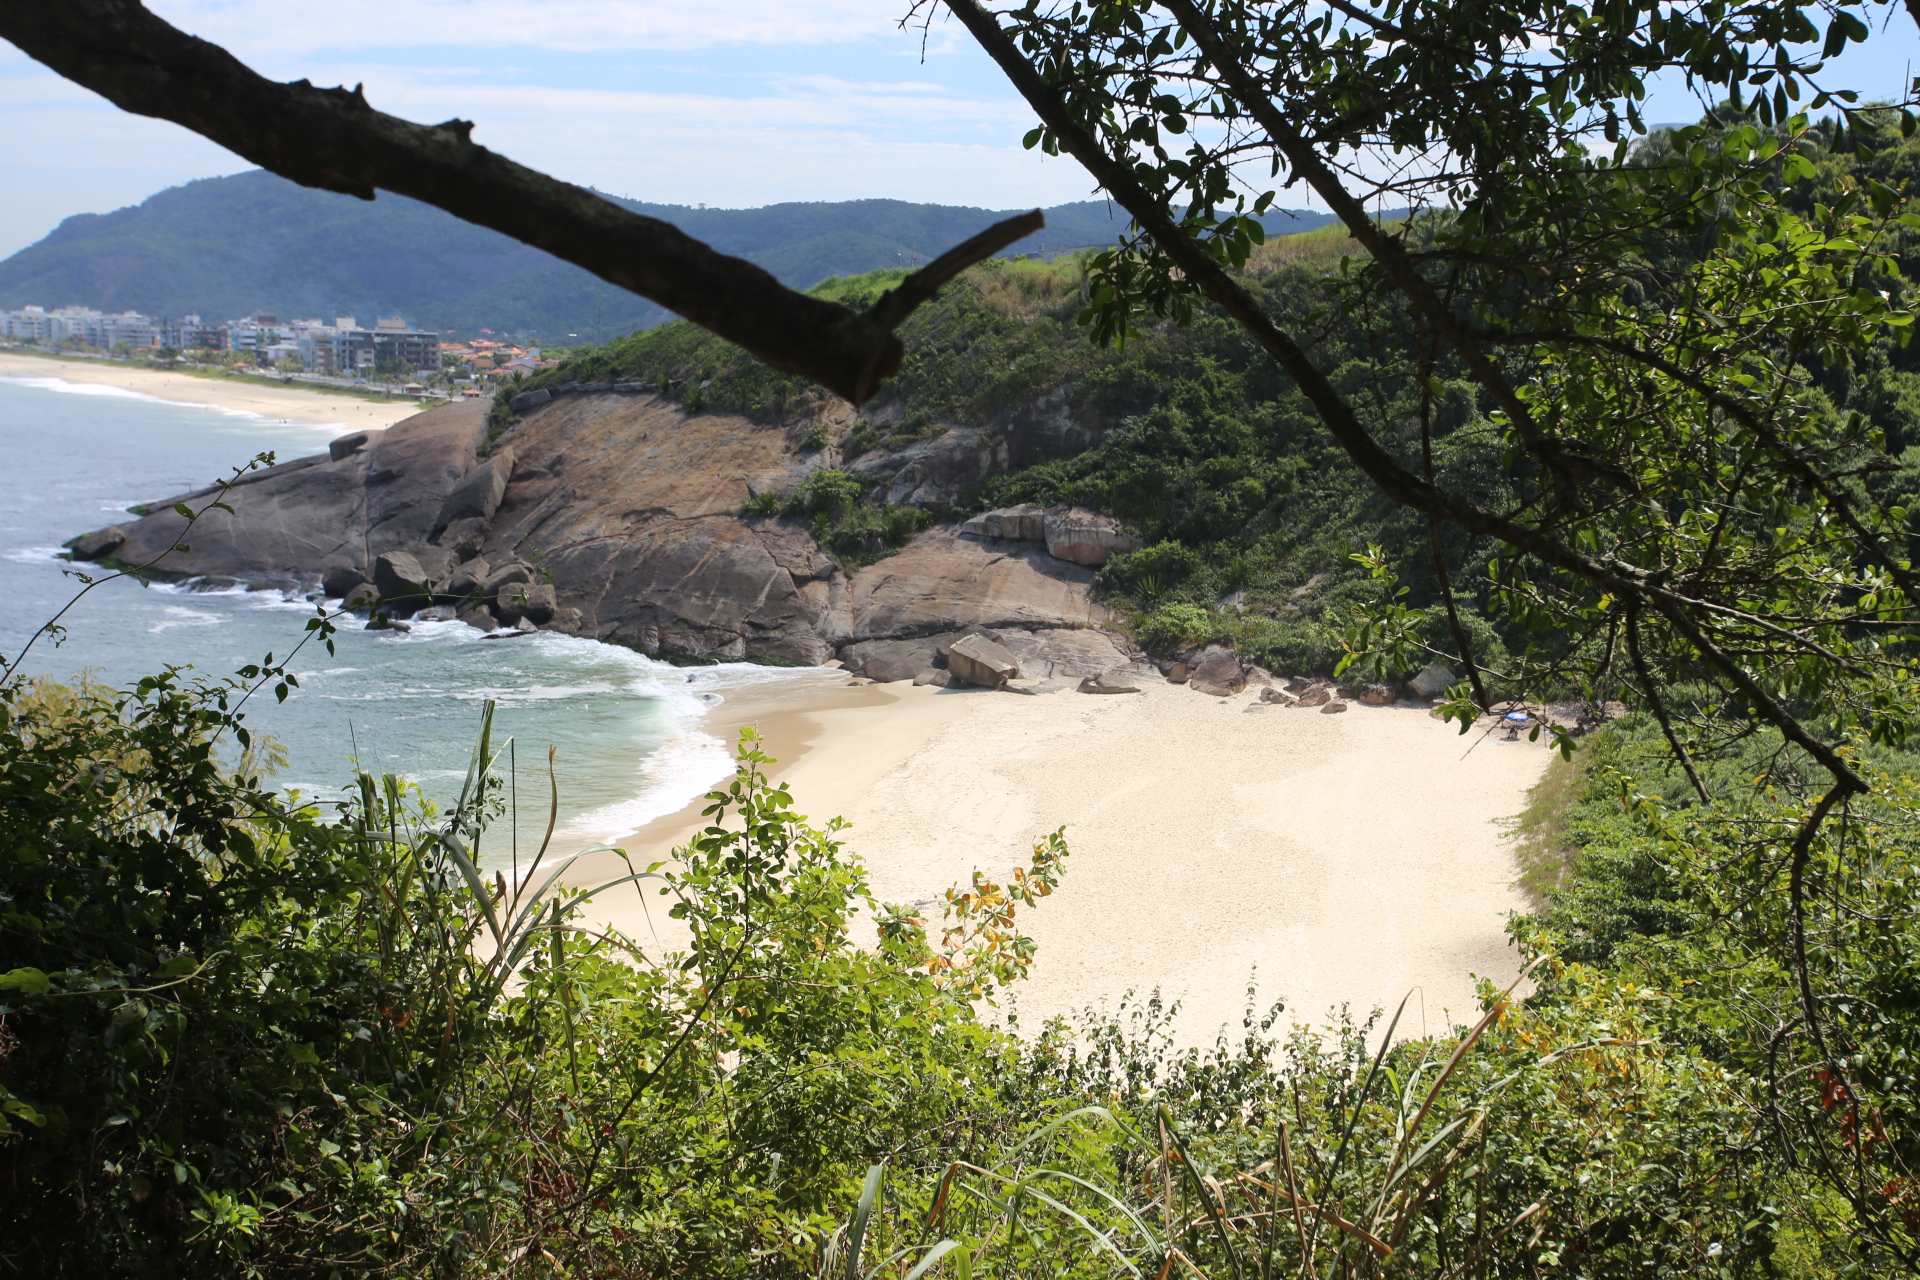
[[1070, 533], [300, 520], [613, 515]]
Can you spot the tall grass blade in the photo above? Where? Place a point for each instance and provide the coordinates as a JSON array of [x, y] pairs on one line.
[[869, 1193]]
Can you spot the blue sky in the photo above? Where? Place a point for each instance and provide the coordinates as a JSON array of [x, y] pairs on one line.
[[740, 103]]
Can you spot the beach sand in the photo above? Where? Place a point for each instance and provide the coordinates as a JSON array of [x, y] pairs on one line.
[[1344, 859], [292, 403]]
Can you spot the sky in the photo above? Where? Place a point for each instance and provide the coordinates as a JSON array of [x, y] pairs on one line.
[[731, 103], [735, 104]]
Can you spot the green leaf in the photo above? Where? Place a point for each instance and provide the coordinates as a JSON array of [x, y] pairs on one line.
[[30, 982]]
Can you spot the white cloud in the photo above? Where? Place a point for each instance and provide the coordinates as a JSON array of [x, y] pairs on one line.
[[253, 29], [822, 109]]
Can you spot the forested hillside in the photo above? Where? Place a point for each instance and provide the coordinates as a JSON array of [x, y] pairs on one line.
[[1252, 513], [225, 247]]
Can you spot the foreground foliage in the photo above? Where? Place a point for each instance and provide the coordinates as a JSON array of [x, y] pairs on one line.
[[246, 1036]]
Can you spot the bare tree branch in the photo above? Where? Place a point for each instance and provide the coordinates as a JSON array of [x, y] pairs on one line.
[[331, 139]]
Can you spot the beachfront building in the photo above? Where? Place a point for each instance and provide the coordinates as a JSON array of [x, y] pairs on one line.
[[28, 324], [344, 348], [186, 333], [83, 325], [341, 347]]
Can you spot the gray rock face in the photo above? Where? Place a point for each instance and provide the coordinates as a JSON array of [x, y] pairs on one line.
[[939, 678], [346, 446], [91, 546], [467, 512], [932, 473], [312, 515], [1086, 537], [530, 401], [632, 509], [1218, 673], [978, 661]]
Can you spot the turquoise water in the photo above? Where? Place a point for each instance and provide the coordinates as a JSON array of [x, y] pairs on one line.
[[626, 731]]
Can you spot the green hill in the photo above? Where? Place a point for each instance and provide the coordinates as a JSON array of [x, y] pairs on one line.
[[226, 247]]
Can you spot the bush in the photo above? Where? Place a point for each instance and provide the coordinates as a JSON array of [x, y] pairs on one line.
[[244, 1037], [1173, 627]]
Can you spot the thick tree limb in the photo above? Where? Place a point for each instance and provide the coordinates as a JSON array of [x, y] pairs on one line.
[[331, 139]]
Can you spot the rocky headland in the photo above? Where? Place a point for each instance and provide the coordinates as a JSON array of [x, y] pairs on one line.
[[613, 514]]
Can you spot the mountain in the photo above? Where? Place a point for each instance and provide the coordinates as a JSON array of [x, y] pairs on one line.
[[227, 247]]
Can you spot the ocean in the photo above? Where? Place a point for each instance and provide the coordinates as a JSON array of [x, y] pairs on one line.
[[627, 732]]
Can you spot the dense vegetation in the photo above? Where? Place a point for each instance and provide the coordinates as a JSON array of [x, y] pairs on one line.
[[1213, 455]]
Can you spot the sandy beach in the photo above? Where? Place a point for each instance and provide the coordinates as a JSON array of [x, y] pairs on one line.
[[1334, 859], [291, 403]]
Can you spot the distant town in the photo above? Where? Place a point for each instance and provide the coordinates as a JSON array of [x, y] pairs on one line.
[[340, 349]]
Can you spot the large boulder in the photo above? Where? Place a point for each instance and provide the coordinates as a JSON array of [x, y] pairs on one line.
[[1086, 537], [890, 660], [92, 546], [1218, 673], [982, 662], [339, 581], [536, 602], [1024, 523], [408, 580], [505, 575], [469, 580], [1067, 653], [1377, 695], [467, 512], [1433, 681]]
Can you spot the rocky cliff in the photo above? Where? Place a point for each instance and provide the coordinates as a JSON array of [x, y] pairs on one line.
[[616, 516]]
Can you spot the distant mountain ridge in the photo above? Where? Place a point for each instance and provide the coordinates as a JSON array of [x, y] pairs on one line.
[[227, 247]]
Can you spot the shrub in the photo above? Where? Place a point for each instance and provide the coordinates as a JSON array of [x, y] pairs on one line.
[[1172, 627]]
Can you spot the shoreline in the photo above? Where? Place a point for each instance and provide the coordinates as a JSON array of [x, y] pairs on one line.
[[294, 404], [1334, 860]]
